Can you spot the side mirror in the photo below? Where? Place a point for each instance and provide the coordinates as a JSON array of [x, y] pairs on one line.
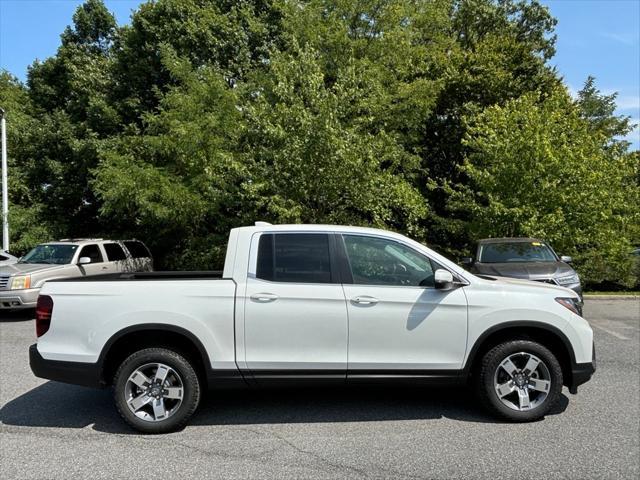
[[443, 279], [566, 259], [84, 260], [466, 261]]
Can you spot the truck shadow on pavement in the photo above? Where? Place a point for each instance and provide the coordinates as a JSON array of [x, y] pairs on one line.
[[57, 405]]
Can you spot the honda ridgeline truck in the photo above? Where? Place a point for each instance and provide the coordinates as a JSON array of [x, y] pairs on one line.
[[313, 304]]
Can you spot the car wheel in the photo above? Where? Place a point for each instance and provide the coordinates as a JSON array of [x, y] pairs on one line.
[[519, 380], [156, 390]]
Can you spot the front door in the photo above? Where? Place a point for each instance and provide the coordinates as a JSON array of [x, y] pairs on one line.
[[398, 321], [295, 315], [97, 266]]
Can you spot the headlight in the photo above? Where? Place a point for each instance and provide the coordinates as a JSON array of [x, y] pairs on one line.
[[21, 282], [572, 304], [568, 280]]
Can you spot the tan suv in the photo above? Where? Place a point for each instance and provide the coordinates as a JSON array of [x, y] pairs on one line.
[[20, 282]]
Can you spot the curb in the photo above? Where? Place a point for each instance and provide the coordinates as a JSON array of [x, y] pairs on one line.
[[611, 297]]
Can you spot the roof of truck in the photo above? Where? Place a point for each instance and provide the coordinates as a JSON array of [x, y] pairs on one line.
[[263, 226]]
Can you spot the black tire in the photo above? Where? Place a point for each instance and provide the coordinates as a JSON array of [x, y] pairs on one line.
[[190, 394], [485, 380]]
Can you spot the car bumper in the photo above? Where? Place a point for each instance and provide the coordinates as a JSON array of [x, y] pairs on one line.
[[13, 299], [77, 373], [582, 373]]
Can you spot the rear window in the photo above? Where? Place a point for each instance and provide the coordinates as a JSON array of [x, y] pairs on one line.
[[114, 252], [295, 258], [137, 249]]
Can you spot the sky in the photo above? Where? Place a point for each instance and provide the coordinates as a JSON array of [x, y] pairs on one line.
[[595, 37]]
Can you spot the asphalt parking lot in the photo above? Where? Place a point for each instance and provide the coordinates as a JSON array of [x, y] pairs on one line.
[[51, 430]]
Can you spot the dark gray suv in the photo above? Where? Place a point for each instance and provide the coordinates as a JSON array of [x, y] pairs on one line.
[[523, 258]]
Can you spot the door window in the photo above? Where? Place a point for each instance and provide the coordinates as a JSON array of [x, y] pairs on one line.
[[91, 251], [294, 257], [137, 249], [114, 252], [379, 261]]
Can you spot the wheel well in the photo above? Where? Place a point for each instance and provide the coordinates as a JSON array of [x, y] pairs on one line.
[[547, 338], [131, 342]]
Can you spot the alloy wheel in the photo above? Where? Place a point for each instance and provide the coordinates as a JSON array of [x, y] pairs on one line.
[[154, 392], [522, 381]]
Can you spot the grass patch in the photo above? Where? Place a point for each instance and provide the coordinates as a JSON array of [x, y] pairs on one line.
[[635, 293]]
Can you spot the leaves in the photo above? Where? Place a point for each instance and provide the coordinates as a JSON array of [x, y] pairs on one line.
[[538, 168], [439, 119]]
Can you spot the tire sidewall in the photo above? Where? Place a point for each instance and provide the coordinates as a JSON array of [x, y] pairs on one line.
[[189, 379], [498, 355]]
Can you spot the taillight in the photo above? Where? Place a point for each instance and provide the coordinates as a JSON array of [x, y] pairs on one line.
[[44, 309]]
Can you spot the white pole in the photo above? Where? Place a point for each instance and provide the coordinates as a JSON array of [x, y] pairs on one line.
[[5, 192]]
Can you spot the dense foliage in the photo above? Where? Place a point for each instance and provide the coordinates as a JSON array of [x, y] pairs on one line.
[[441, 119]]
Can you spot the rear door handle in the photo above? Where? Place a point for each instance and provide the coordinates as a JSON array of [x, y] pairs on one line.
[[364, 300], [264, 297]]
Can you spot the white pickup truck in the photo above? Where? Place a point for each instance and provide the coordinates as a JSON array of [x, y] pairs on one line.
[[317, 304]]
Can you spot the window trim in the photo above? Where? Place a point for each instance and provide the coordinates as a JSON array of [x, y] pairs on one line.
[[333, 262]]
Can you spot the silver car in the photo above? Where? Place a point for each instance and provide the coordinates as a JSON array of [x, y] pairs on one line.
[[20, 282]]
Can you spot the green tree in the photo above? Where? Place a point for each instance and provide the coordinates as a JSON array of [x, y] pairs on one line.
[[29, 224], [440, 119], [234, 37], [76, 80], [315, 161], [500, 54], [598, 109], [177, 183], [68, 95], [537, 168]]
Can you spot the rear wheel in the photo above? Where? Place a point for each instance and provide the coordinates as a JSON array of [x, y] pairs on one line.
[[156, 390], [519, 380]]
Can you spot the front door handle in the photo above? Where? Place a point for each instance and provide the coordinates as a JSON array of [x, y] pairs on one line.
[[264, 297], [364, 300]]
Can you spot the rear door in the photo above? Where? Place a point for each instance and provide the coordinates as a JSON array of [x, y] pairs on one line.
[[117, 260], [295, 318]]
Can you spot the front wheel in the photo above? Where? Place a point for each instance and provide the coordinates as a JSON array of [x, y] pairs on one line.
[[519, 380], [156, 390]]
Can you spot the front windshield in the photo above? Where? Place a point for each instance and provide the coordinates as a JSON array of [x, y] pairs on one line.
[[52, 254], [515, 252]]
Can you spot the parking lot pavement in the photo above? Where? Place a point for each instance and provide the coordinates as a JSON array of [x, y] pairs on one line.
[[52, 430]]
